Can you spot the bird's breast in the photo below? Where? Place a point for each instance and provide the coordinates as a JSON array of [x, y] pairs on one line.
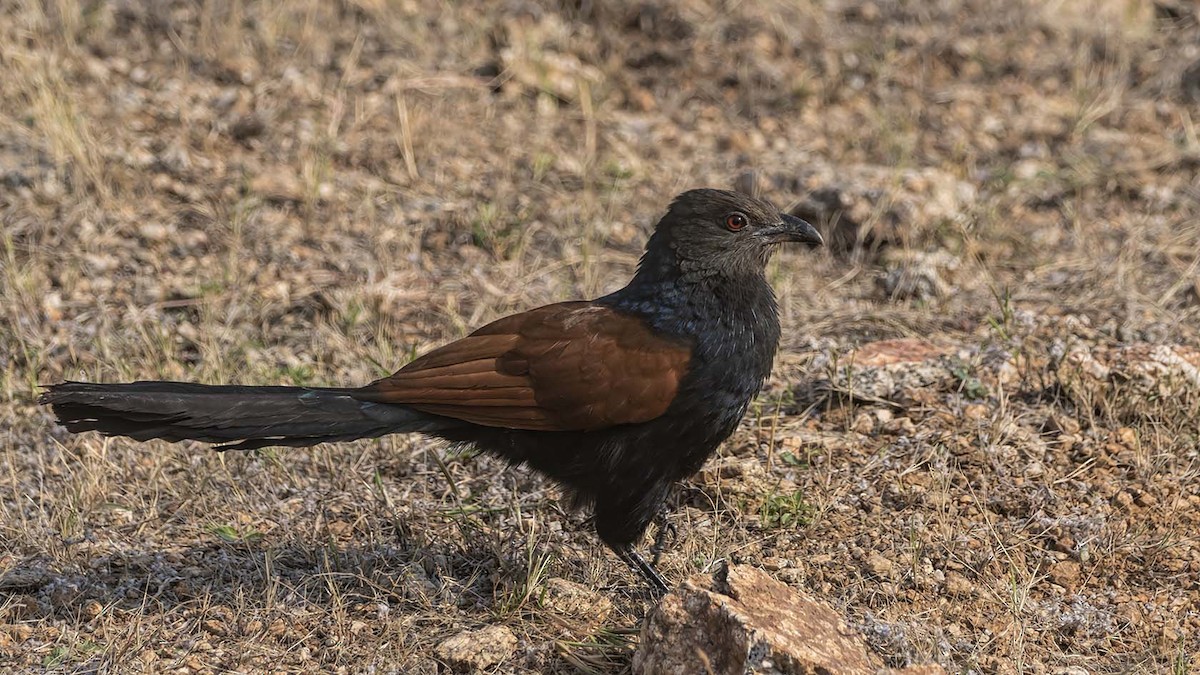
[[733, 330]]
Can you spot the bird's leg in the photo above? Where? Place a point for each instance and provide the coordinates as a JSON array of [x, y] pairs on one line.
[[666, 530], [658, 585]]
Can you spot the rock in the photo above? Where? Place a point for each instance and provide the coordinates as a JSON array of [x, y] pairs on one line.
[[958, 585], [743, 621], [887, 370], [879, 565], [246, 127], [278, 187], [864, 423], [1133, 380], [917, 274], [52, 305], [477, 649], [24, 578], [91, 609], [903, 371], [1065, 574], [869, 205], [1189, 82], [575, 601], [154, 231], [538, 59], [1125, 20]]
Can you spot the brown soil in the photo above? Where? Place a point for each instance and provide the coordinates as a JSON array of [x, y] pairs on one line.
[[313, 192]]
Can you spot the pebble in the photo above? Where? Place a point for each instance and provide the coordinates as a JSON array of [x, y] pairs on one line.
[[478, 649]]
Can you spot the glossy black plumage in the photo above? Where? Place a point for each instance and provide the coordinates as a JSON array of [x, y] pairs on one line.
[[616, 399]]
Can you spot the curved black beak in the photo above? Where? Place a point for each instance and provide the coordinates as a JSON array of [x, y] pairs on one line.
[[791, 228]]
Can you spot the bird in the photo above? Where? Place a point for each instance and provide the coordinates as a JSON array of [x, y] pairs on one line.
[[617, 399]]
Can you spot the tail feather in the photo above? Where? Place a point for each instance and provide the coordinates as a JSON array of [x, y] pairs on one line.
[[240, 417]]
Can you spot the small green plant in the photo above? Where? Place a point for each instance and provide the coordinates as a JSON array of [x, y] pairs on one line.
[[353, 314], [616, 171], [1002, 323], [968, 384], [231, 534], [542, 163], [790, 459], [210, 287], [537, 565], [60, 654], [495, 232], [298, 375], [785, 510], [1182, 663], [56, 657]]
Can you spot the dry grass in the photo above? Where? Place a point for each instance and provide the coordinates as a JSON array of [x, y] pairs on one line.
[[312, 192]]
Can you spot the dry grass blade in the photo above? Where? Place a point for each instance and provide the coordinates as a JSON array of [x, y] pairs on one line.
[[313, 192]]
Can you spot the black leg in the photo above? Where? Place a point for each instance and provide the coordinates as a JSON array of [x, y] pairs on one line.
[[658, 585], [667, 534]]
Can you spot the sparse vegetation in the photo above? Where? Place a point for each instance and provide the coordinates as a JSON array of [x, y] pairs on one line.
[[312, 192], [785, 510]]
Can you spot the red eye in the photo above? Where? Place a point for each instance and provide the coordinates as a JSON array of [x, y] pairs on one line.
[[736, 221]]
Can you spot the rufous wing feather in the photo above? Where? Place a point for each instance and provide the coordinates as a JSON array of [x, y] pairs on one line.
[[571, 366]]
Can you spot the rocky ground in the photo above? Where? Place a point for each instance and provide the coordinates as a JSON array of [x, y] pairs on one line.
[[980, 444]]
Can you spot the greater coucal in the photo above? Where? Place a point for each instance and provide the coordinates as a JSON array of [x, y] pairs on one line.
[[615, 398]]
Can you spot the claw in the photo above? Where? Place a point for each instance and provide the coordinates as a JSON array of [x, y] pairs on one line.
[[658, 585], [667, 535]]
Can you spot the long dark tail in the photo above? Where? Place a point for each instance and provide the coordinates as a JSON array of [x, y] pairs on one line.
[[240, 417]]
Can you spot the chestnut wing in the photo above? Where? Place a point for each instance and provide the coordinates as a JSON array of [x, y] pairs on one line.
[[572, 366]]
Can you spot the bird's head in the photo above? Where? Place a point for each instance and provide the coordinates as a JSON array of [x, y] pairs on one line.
[[709, 233]]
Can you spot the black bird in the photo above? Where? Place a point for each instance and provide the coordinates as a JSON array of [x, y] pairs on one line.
[[615, 398]]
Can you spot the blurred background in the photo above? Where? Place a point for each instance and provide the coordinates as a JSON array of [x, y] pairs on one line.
[[980, 444]]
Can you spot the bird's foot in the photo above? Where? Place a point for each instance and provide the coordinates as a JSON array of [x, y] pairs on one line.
[[657, 584], [666, 536]]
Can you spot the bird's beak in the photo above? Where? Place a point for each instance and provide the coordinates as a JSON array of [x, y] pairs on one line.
[[791, 228]]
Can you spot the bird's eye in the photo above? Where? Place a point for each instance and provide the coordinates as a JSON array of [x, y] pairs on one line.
[[736, 221]]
